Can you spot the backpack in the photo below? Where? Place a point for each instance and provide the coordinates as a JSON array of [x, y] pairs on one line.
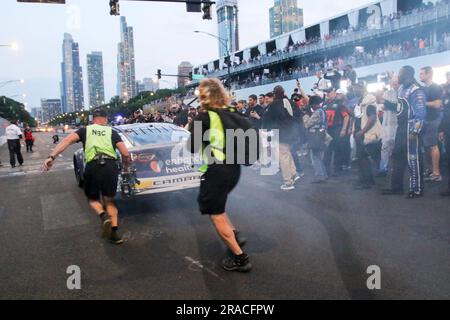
[[233, 120]]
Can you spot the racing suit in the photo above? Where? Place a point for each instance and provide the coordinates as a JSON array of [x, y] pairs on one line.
[[411, 113]]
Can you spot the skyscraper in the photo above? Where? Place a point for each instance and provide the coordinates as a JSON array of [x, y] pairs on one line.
[[96, 83], [227, 16], [50, 108], [126, 73], [72, 76], [148, 84], [183, 69], [285, 16]]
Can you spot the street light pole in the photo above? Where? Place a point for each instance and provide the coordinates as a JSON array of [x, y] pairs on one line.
[[2, 84], [224, 42], [13, 46]]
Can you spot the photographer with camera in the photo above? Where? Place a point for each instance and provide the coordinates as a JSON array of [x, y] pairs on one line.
[[101, 172]]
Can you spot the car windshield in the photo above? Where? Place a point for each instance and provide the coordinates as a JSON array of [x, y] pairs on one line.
[[155, 135]]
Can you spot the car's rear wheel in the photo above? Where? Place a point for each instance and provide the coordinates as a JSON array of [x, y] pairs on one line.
[[80, 181]]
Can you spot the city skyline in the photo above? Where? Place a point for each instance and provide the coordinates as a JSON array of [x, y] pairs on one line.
[[95, 30]]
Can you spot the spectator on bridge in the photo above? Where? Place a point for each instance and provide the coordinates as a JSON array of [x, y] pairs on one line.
[[13, 137], [444, 128], [434, 96]]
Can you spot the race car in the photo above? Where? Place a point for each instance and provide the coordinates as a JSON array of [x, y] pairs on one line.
[[160, 162]]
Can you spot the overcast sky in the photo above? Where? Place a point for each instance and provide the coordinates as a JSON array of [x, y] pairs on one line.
[[163, 36]]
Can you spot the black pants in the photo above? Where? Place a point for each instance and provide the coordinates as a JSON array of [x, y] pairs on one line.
[[14, 150], [367, 154], [407, 154], [29, 144]]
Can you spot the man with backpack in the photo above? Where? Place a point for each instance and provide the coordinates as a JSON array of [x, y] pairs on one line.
[[221, 173]]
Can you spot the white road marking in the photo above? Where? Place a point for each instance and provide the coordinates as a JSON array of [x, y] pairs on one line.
[[202, 267]]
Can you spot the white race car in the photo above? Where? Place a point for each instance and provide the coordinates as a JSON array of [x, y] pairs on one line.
[[158, 163]]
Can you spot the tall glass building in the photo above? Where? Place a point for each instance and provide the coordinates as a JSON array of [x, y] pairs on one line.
[[72, 95], [96, 82], [228, 22], [126, 77], [285, 16]]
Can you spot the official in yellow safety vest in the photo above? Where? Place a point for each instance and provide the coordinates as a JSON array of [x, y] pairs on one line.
[[101, 171], [219, 178]]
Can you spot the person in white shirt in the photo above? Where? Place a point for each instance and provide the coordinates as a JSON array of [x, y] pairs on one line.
[[13, 136]]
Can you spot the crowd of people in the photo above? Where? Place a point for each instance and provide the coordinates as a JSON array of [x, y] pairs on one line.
[[405, 125], [386, 52], [384, 22]]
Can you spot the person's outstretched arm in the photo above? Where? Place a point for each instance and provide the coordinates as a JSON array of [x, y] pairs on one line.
[[60, 148]]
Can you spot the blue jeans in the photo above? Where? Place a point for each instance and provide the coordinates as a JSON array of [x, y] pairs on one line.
[[320, 172]]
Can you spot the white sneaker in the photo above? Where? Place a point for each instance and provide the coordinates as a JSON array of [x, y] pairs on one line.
[[287, 187]]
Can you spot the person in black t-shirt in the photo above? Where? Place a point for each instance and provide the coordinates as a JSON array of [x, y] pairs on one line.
[[101, 171], [434, 94], [254, 111]]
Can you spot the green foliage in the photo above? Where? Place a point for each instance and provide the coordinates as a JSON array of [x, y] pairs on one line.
[[12, 110]]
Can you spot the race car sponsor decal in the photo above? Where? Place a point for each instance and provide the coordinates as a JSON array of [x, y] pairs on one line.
[[159, 162]]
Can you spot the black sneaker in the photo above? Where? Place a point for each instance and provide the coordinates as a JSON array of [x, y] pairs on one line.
[[240, 240], [412, 195], [237, 263], [115, 238], [106, 228]]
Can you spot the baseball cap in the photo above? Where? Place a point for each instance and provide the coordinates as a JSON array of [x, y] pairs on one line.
[[99, 113]]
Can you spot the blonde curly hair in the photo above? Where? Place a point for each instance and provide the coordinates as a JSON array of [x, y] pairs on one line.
[[212, 94]]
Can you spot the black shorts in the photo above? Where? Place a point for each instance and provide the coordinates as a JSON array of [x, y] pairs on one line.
[[215, 186], [101, 180]]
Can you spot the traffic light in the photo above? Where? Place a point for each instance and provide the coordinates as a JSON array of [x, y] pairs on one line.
[[190, 76], [115, 8], [159, 74], [193, 6], [207, 11]]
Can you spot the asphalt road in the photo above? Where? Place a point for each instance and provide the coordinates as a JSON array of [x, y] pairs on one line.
[[312, 243]]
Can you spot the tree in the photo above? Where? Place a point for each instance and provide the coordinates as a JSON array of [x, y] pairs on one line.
[[13, 110]]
